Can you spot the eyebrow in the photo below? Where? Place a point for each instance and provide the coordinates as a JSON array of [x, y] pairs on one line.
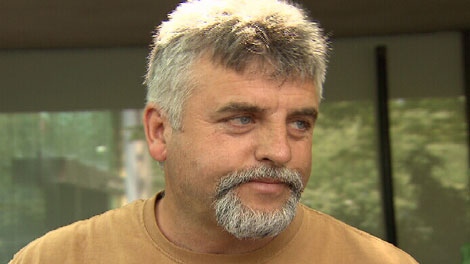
[[239, 107], [235, 107], [311, 112]]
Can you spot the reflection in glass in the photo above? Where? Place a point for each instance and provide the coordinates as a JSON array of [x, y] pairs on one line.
[[344, 181], [431, 177], [56, 168]]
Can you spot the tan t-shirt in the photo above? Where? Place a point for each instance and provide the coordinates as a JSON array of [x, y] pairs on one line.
[[130, 235]]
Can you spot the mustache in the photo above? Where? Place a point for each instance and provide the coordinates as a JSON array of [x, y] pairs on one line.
[[290, 177]]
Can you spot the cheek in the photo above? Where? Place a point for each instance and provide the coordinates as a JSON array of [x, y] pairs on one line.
[[207, 156], [227, 149], [303, 160], [216, 157]]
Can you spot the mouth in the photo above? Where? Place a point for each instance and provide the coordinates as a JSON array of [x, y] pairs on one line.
[[265, 185], [267, 181], [261, 179]]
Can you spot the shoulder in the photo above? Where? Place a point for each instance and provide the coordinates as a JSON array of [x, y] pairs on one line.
[[351, 241], [74, 241]]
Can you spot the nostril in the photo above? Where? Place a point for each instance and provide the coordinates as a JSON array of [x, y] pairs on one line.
[[275, 154], [272, 144]]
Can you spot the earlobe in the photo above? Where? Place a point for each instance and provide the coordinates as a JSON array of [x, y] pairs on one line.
[[155, 124]]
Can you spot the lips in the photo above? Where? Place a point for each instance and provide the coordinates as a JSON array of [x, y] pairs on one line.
[[267, 181], [262, 179], [265, 186]]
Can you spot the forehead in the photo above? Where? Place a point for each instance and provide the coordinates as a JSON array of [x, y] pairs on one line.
[[206, 73], [215, 87]]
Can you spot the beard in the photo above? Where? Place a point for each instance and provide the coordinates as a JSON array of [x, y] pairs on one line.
[[244, 222]]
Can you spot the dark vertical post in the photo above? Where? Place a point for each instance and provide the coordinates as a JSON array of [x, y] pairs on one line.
[[466, 67], [384, 145]]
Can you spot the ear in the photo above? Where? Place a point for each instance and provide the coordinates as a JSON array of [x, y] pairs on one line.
[[157, 129]]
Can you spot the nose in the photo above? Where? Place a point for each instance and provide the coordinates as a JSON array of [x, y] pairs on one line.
[[273, 146]]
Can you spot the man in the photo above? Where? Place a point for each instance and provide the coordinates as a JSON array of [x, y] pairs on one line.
[[234, 89]]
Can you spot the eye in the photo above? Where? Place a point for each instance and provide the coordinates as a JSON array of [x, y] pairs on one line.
[[241, 120], [239, 124], [301, 125]]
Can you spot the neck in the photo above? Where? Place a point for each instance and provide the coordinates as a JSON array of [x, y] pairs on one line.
[[200, 233]]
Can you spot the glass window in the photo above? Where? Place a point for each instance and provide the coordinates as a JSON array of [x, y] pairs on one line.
[[344, 180], [56, 168], [431, 177]]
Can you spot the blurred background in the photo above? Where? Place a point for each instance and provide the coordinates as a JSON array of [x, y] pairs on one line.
[[391, 148]]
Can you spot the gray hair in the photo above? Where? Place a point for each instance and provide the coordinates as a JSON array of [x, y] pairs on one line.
[[244, 222], [235, 34]]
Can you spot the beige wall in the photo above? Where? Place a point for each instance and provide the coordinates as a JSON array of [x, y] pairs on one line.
[[53, 80], [418, 66]]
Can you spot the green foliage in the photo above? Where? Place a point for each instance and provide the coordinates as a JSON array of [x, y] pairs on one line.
[[83, 136], [430, 163], [344, 180]]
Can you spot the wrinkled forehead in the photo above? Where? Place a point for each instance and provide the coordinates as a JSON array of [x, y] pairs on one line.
[[253, 67], [208, 75]]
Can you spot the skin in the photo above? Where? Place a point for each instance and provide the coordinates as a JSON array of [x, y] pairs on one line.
[[231, 121]]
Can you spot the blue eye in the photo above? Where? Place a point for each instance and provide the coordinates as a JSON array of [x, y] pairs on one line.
[[243, 120], [301, 125]]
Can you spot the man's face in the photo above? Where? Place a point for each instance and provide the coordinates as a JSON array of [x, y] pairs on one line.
[[233, 122]]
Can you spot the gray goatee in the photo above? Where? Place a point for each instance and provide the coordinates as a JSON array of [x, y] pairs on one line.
[[244, 222]]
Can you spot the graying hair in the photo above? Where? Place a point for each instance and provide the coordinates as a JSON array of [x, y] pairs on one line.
[[244, 222], [275, 35]]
